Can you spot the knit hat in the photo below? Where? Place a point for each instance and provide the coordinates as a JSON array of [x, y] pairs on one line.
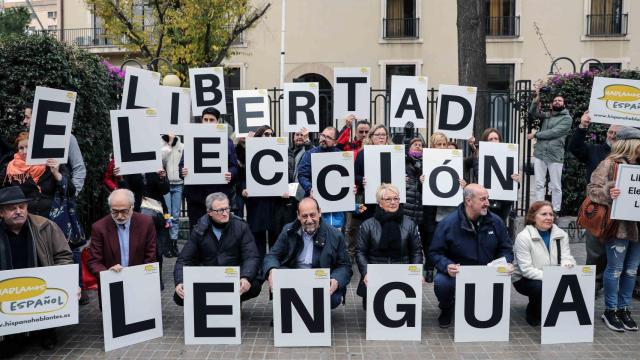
[[414, 140], [627, 133]]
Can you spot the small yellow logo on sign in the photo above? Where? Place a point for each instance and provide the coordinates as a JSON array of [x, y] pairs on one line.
[[397, 147], [281, 140], [413, 268], [150, 112], [512, 147], [586, 270], [70, 95], [21, 288], [220, 126], [312, 85], [502, 269], [364, 70], [421, 79], [321, 273], [230, 271], [262, 92], [149, 268], [347, 154], [456, 152], [217, 69], [156, 75]]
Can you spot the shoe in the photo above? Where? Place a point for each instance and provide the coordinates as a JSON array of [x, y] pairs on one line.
[[174, 250], [444, 320], [84, 298], [532, 319], [625, 317], [168, 254], [636, 291], [612, 321], [429, 276], [48, 339]]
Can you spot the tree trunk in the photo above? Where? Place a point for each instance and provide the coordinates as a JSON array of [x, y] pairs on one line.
[[472, 56]]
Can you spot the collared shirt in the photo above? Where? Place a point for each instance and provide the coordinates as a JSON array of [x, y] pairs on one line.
[[123, 238], [305, 258]]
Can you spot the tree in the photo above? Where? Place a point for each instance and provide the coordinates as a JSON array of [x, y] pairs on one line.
[[189, 33], [472, 55], [14, 20]]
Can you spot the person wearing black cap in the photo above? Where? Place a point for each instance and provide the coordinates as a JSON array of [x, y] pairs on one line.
[[28, 241]]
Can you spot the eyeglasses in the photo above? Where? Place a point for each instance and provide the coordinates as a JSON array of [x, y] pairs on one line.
[[120, 211], [221, 211], [323, 136], [380, 135], [391, 200]]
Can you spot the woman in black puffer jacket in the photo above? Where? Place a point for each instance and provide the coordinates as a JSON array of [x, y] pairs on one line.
[[413, 167], [387, 238]]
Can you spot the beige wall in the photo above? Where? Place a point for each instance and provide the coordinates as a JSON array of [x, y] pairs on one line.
[[41, 8], [76, 14]]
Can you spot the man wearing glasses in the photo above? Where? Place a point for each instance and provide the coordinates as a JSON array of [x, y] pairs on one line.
[[220, 239], [122, 238]]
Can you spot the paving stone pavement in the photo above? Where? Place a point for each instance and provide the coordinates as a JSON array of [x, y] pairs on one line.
[[84, 341]]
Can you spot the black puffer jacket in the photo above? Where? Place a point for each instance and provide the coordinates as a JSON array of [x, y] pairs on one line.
[[413, 206], [369, 241], [236, 247]]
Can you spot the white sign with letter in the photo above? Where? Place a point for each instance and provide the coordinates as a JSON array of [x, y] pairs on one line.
[[207, 90], [615, 101], [568, 296], [496, 163], [352, 91], [50, 128], [38, 298], [384, 164], [267, 166], [174, 109], [206, 153], [332, 179], [483, 295], [136, 141], [394, 302], [409, 101], [131, 306], [627, 205], [300, 107], [442, 169], [211, 305], [301, 307], [250, 110], [456, 109], [140, 89]]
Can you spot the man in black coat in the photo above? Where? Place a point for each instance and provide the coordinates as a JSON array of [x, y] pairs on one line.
[[308, 243], [221, 239], [591, 155]]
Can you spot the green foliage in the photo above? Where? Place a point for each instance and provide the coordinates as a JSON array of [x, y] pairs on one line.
[[27, 61], [576, 89], [14, 20]]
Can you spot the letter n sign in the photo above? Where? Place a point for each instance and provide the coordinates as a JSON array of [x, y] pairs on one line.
[[482, 304], [301, 307]]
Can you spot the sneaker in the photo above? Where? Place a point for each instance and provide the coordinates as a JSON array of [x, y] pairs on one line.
[[169, 254], [429, 276], [84, 298], [612, 321], [625, 317], [444, 320], [636, 291]]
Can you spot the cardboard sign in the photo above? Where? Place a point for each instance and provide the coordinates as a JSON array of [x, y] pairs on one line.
[[136, 141], [38, 298], [174, 109], [50, 128], [496, 163], [207, 90], [568, 296], [301, 307], [351, 93], [141, 89], [384, 164], [267, 166], [627, 205], [615, 101], [250, 110], [483, 295], [211, 305], [394, 302], [332, 180], [131, 306], [206, 153], [456, 110], [409, 101], [300, 107], [442, 170]]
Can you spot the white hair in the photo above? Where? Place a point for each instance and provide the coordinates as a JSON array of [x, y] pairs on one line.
[[216, 196], [127, 192]]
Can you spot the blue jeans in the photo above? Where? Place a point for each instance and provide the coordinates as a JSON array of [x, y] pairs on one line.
[[77, 257], [336, 298], [445, 288], [623, 258], [174, 202]]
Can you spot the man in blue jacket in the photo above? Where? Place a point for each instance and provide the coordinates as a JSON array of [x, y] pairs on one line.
[[309, 243], [470, 236], [328, 143]]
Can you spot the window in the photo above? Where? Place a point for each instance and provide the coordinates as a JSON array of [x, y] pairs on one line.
[[502, 19], [500, 77], [52, 14], [401, 19], [231, 82], [606, 18], [398, 69], [605, 65], [52, 27]]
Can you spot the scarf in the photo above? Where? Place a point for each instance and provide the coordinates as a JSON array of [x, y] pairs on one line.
[[19, 171], [415, 154], [390, 238]]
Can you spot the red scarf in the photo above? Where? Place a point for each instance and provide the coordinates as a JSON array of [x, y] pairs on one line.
[[19, 171]]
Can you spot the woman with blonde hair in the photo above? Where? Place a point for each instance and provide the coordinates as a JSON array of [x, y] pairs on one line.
[[622, 250], [378, 135]]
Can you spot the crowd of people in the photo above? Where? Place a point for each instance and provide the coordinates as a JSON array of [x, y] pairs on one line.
[[229, 227]]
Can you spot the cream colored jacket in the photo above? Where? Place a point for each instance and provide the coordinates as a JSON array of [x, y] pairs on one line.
[[531, 254]]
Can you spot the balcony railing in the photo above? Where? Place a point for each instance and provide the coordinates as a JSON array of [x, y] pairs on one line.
[[607, 25], [408, 28], [503, 26]]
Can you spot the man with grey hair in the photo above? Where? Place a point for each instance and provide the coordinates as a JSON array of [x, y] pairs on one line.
[[122, 238], [221, 239], [472, 235]]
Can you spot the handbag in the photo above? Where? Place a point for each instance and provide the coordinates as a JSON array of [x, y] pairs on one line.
[[596, 218], [63, 213]]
